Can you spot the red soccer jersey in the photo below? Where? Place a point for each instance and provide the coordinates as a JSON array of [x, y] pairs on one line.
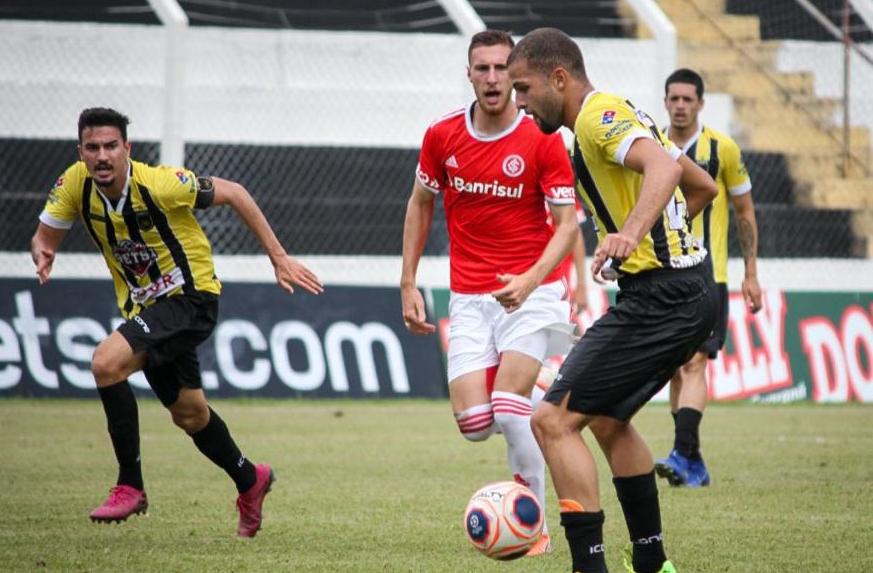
[[493, 189]]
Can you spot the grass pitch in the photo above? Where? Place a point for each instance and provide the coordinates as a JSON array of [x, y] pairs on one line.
[[381, 487]]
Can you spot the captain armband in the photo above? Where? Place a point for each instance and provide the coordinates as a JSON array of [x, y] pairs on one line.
[[205, 193]]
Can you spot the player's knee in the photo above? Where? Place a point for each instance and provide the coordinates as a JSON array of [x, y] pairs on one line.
[[545, 425], [606, 429], [476, 424], [191, 419], [106, 371]]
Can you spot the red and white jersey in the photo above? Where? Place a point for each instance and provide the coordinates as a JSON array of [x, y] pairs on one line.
[[493, 189]]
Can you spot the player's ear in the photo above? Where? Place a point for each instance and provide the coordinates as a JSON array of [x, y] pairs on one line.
[[559, 78]]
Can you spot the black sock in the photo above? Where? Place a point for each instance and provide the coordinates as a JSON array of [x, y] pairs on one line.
[[687, 440], [122, 421], [584, 532], [639, 501], [215, 442]]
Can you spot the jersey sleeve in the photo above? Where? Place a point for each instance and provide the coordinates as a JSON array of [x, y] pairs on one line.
[[62, 206], [615, 126], [176, 187], [429, 171], [734, 172], [556, 174]]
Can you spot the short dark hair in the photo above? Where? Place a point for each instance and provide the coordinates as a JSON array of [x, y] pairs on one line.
[[545, 49], [101, 117], [685, 76], [489, 38]]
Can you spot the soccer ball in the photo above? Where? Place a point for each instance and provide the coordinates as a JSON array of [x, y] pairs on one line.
[[503, 520]]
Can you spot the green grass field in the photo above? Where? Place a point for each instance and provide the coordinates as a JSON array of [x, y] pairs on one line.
[[381, 486]]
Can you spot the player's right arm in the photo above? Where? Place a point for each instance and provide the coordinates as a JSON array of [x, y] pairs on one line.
[[660, 176], [57, 217], [416, 228], [43, 246]]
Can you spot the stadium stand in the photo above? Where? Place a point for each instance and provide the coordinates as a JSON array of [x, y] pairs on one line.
[[374, 16], [321, 213], [587, 19], [781, 20], [599, 19], [807, 204]]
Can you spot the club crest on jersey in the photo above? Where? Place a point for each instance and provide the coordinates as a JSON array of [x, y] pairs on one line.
[[607, 117], [513, 165], [144, 220], [183, 179], [135, 257]]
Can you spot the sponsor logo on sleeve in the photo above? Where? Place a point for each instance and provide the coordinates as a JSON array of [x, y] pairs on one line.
[[426, 180], [452, 162], [607, 117], [183, 179], [563, 192], [622, 126]]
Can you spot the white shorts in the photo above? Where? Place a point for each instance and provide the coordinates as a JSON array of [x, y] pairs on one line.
[[480, 329]]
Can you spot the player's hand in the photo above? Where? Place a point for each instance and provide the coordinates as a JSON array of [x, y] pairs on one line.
[[752, 294], [516, 291], [613, 246], [414, 315], [44, 259], [580, 298], [290, 272]]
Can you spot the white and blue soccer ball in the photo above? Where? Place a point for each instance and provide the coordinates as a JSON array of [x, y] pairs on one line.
[[503, 520]]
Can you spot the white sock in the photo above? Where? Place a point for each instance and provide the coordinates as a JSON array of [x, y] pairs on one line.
[[476, 423], [512, 415]]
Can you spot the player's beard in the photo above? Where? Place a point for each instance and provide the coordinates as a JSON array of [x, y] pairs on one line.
[[548, 127], [550, 118]]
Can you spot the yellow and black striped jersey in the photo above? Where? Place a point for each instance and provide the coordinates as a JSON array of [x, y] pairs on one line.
[[150, 238], [720, 156], [605, 128]]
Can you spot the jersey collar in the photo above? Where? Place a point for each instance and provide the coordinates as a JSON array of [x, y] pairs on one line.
[[124, 192], [468, 117], [691, 141]]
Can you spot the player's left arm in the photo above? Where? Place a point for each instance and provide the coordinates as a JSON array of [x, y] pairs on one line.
[[289, 271], [736, 180], [747, 235], [517, 288]]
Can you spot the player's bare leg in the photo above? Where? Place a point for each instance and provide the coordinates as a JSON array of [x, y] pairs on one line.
[[574, 475]]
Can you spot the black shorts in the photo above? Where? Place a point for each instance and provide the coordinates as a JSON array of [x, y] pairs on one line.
[[659, 320], [169, 332], [715, 342]]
